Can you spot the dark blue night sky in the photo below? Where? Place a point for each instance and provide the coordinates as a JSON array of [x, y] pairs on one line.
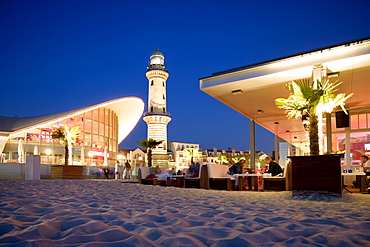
[[57, 56]]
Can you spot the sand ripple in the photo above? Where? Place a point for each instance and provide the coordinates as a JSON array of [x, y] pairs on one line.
[[111, 213]]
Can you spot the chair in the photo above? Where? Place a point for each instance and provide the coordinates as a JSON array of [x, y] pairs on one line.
[[143, 172], [279, 183], [200, 182], [218, 179]]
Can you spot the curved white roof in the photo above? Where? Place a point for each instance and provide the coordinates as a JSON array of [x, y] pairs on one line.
[[129, 111]]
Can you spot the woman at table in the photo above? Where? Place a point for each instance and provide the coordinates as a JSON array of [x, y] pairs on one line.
[[274, 168], [234, 169]]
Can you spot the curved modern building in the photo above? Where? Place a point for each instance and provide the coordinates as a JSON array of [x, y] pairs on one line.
[[102, 128]]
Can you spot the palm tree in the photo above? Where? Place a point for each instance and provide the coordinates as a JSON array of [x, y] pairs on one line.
[[222, 159], [311, 100], [66, 136], [192, 152], [148, 144]]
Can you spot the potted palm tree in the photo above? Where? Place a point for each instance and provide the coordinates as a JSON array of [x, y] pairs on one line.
[[66, 136], [308, 101], [148, 144]]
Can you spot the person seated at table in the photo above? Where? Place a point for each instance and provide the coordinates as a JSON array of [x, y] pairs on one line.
[[274, 168], [193, 171], [157, 173], [365, 163], [235, 168]]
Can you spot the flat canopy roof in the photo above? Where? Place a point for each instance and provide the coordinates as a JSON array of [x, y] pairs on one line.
[[251, 90]]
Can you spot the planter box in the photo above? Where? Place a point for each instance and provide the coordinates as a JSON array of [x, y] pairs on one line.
[[66, 172], [311, 174]]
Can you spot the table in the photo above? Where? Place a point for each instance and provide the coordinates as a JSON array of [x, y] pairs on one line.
[[360, 178], [252, 181], [178, 178]]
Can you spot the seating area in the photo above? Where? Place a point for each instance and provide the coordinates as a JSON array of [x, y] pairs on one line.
[[144, 172], [217, 179], [279, 183], [213, 176]]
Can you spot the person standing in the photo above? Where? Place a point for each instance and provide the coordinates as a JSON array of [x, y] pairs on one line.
[[106, 172], [127, 173], [274, 168], [117, 170]]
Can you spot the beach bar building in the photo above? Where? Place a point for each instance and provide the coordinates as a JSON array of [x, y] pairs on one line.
[[102, 128], [251, 90]]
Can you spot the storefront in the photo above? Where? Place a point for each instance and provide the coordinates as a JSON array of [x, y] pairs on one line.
[[251, 90]]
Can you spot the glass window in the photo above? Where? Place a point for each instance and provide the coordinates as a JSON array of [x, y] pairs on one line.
[[362, 122], [101, 115], [96, 114], [70, 122], [354, 122], [101, 129], [95, 127]]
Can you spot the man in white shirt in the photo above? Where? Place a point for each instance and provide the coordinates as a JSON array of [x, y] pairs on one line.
[[365, 163]]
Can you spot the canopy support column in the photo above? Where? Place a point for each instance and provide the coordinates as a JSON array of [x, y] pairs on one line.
[[252, 140]]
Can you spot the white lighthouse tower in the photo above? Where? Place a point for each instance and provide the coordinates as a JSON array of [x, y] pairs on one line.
[[157, 116]]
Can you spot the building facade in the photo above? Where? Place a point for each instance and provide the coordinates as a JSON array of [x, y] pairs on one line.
[[102, 127]]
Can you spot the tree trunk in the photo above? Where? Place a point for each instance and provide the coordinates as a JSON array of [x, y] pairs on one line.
[[70, 155], [314, 135], [149, 158], [66, 156]]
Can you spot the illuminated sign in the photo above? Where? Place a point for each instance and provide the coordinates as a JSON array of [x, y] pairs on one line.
[[97, 153], [367, 146]]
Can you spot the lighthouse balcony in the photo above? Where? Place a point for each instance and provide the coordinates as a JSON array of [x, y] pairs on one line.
[[157, 113], [156, 67]]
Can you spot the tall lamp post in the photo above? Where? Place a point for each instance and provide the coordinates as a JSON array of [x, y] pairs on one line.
[[90, 156], [48, 152]]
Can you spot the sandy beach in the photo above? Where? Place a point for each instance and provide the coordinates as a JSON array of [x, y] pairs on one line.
[[112, 213]]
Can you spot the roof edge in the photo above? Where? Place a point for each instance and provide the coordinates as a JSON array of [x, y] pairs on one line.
[[253, 65]]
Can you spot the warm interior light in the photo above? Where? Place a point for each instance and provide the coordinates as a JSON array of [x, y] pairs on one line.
[[238, 91], [120, 156], [48, 151], [332, 74]]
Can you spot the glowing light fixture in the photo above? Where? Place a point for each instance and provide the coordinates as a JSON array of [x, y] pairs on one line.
[[238, 91]]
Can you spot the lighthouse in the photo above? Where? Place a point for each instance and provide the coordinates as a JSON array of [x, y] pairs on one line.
[[157, 117]]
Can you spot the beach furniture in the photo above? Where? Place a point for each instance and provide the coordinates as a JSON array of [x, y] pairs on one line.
[[143, 173], [176, 181], [248, 179], [279, 183], [217, 177], [200, 182]]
